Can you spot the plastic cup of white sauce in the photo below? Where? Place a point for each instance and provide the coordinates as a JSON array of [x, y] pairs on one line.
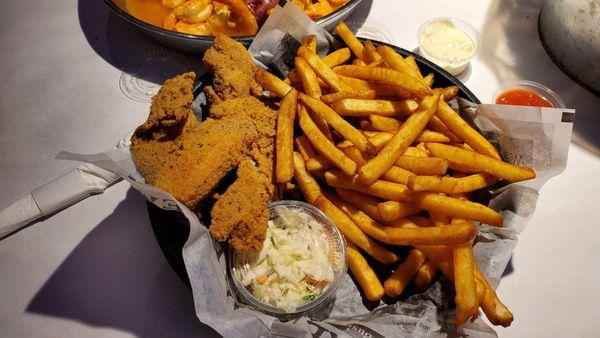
[[449, 43]]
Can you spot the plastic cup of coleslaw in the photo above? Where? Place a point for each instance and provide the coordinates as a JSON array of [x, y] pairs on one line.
[[300, 266]]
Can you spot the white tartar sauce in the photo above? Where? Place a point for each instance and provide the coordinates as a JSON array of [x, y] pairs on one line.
[[446, 45], [294, 266]]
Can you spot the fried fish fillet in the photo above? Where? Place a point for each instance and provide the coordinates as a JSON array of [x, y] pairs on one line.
[[241, 213], [186, 158], [232, 68]]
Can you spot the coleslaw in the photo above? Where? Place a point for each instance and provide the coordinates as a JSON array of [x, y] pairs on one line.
[[296, 264]]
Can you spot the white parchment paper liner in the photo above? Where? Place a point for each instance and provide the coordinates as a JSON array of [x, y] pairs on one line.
[[530, 136]]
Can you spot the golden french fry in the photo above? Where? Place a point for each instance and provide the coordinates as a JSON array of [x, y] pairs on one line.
[[385, 124], [362, 201], [428, 80], [408, 132], [455, 207], [308, 185], [364, 274], [424, 276], [436, 124], [310, 41], [308, 78], [421, 221], [385, 75], [479, 162], [397, 175], [367, 224], [467, 305], [355, 155], [496, 312], [414, 69], [337, 57], [381, 89], [274, 84], [450, 93], [473, 182], [284, 138], [394, 60], [464, 131], [432, 183], [439, 219], [359, 62], [364, 108], [422, 146], [354, 94], [415, 152], [324, 72], [423, 165], [292, 78], [370, 53], [432, 136], [319, 162], [353, 233], [321, 124], [391, 125], [323, 145], [344, 144], [405, 272], [304, 148], [378, 138], [377, 63], [456, 234], [381, 189], [338, 123], [392, 210], [351, 41]]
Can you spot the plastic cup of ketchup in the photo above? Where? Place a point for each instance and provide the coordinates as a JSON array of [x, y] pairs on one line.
[[527, 93]]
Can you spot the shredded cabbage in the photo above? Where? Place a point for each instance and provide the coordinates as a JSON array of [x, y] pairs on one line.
[[294, 266]]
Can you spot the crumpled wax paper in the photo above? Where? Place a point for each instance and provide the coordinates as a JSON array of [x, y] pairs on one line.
[[529, 136]]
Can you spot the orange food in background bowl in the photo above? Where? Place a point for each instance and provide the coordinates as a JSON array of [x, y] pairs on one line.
[[208, 17]]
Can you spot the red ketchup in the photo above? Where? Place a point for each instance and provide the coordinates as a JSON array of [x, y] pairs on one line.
[[523, 97]]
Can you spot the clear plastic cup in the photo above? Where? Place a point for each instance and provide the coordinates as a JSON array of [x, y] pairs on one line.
[[458, 66], [535, 87], [337, 257]]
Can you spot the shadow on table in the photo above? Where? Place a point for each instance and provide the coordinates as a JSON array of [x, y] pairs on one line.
[[126, 48], [117, 277], [516, 23]]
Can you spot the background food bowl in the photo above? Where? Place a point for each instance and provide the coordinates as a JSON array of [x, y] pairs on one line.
[[197, 44]]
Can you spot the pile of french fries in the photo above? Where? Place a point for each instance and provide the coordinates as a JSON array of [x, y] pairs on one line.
[[382, 153]]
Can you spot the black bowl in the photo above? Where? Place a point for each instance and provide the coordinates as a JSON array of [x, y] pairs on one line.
[[171, 228]]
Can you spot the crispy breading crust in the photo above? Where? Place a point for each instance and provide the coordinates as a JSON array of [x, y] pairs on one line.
[[188, 159], [241, 213], [232, 67], [170, 108]]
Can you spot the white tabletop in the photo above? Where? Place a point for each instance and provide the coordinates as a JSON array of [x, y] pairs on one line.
[[95, 269]]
